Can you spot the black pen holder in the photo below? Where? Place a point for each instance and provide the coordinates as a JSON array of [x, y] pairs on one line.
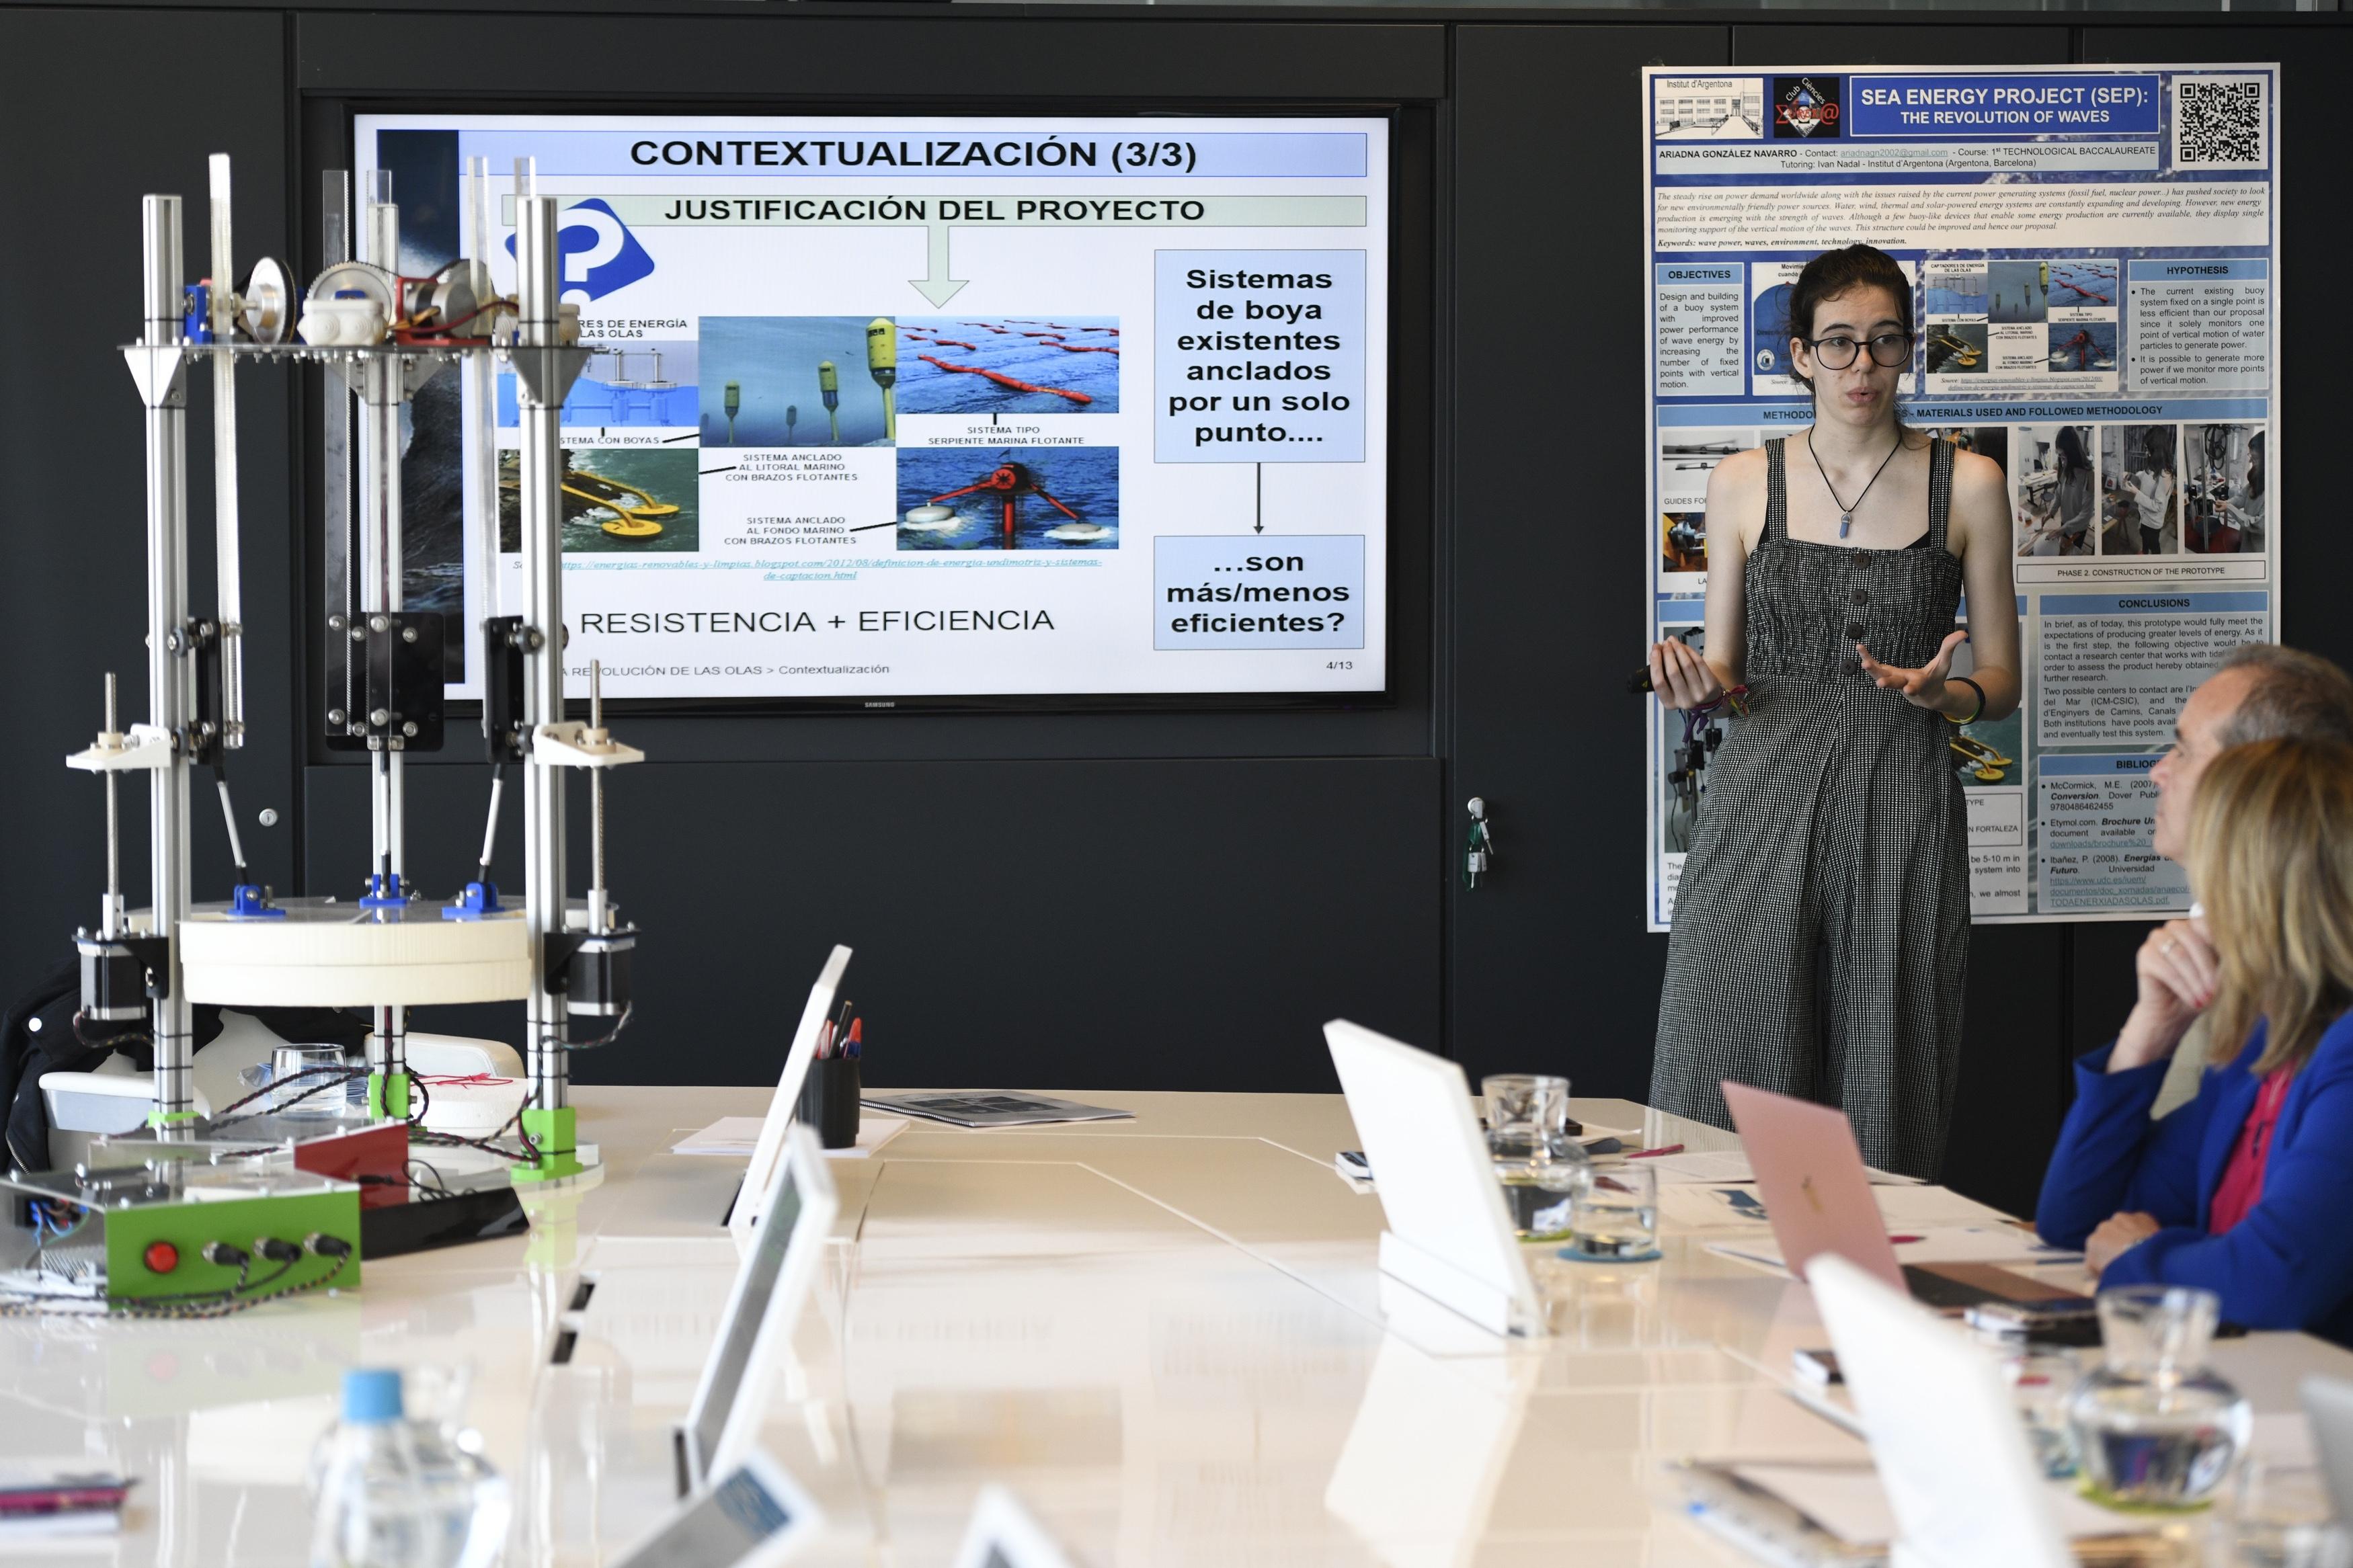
[[830, 1101]]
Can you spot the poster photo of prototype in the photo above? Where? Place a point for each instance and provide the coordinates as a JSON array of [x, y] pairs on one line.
[[2223, 490], [2140, 489], [2055, 489]]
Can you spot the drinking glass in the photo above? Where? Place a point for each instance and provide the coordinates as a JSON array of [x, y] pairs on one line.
[[1614, 1213], [2041, 1380], [2153, 1426], [2281, 1518], [313, 1096], [1536, 1159]]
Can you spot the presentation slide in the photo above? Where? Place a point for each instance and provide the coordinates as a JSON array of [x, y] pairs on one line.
[[889, 409]]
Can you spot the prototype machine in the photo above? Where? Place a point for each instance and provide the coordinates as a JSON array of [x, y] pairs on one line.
[[380, 336]]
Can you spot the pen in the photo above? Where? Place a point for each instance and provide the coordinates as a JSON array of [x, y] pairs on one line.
[[1653, 1153], [824, 1041], [1900, 1240], [852, 1051]]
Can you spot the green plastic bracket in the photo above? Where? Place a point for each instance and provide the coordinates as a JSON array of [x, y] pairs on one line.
[[553, 1132], [388, 1096], [132, 1233], [171, 1118]]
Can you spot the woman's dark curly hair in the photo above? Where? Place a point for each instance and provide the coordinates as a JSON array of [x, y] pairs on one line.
[[1830, 274]]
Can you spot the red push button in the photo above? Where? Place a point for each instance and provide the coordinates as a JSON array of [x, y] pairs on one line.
[[161, 1257]]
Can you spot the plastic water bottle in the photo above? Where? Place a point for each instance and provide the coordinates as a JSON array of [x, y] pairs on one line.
[[396, 1493]]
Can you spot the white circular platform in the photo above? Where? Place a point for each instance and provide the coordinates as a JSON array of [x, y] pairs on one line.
[[330, 953]]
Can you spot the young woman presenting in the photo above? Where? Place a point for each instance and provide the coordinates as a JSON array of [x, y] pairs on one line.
[[1822, 923]]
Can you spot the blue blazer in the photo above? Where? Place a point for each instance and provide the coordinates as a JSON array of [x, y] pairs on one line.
[[2289, 1263]]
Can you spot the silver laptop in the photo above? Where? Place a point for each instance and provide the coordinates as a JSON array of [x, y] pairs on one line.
[[771, 1284], [1450, 1235], [745, 1213]]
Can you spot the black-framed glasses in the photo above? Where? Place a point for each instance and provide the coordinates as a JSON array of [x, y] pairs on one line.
[[1838, 350]]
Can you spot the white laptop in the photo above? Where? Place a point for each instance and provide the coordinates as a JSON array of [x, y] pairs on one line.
[[1450, 1235], [1003, 1534], [732, 1397], [2328, 1404], [1951, 1451], [745, 1213], [753, 1516]]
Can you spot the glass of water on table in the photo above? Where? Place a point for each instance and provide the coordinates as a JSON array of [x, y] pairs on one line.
[[1613, 1215], [1536, 1160]]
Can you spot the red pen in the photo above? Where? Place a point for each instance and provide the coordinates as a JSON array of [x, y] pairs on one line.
[[1900, 1240], [1653, 1153]]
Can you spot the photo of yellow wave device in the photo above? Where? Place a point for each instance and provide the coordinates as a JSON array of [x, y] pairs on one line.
[[635, 513]]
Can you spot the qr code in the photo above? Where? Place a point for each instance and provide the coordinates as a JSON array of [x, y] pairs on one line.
[[2221, 122]]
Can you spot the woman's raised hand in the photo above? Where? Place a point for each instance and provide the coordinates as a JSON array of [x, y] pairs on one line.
[[1681, 677], [2179, 973], [1922, 688]]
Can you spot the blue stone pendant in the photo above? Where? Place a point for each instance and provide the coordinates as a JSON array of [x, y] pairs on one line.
[[1846, 522]]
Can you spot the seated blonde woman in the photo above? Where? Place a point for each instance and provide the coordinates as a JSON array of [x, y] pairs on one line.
[[2246, 1190]]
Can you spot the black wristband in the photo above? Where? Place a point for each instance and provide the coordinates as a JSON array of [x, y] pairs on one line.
[[1973, 686]]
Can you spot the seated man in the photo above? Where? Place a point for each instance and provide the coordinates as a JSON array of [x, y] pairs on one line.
[[2244, 1191], [2261, 691]]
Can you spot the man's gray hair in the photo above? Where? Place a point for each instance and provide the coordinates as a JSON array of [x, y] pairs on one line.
[[2296, 694]]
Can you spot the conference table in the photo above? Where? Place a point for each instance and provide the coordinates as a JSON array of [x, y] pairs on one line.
[[1167, 1336]]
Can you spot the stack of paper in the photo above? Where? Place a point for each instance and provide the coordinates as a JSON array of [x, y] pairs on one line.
[[2005, 1244], [1850, 1503], [737, 1135]]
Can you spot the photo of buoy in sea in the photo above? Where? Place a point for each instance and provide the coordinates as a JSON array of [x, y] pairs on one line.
[[798, 381], [617, 501], [1008, 364], [1012, 498]]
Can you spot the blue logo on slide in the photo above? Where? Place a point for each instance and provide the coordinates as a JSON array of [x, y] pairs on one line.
[[599, 253]]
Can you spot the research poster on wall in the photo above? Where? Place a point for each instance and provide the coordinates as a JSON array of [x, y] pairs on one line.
[[2092, 253], [886, 409]]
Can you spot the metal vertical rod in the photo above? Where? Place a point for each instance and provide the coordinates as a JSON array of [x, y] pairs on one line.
[[335, 449], [228, 592], [482, 416], [110, 918], [382, 392], [169, 682], [543, 614], [597, 919]]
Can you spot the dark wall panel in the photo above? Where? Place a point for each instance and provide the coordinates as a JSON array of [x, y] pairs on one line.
[[1086, 925], [2316, 229], [1551, 969], [906, 56], [105, 107]]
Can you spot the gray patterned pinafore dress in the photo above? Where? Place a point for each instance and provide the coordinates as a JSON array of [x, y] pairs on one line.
[[1821, 925]]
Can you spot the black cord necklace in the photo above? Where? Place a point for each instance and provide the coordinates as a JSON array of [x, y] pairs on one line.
[[1846, 513]]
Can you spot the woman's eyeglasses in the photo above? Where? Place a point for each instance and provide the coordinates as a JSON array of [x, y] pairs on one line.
[[1838, 350]]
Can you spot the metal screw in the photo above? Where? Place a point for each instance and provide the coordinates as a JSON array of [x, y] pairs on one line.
[[335, 715], [409, 727], [380, 718], [172, 640], [409, 633], [379, 623], [337, 623], [537, 639], [358, 636], [268, 816]]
